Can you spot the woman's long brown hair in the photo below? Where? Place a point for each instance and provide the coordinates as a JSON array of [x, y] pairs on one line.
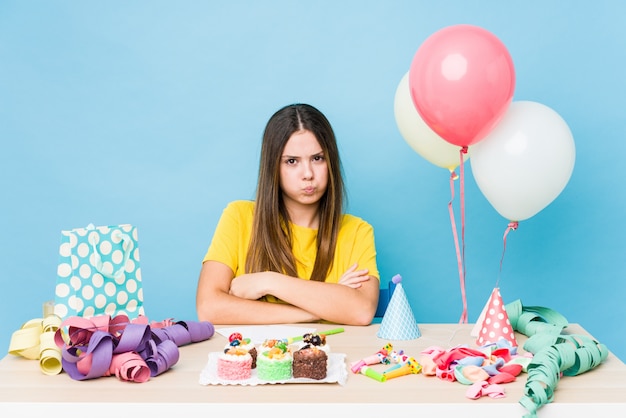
[[271, 241]]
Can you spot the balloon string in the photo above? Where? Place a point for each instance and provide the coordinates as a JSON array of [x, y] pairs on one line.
[[460, 254], [463, 150], [453, 177], [511, 227]]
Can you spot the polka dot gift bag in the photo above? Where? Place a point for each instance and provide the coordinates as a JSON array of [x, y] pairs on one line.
[[99, 273]]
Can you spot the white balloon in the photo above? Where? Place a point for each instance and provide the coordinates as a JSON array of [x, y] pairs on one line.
[[418, 134], [526, 161]]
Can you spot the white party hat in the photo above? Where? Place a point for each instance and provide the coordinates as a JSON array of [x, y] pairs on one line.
[[398, 322]]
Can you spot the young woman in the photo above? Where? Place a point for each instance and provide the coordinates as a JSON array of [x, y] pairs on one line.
[[292, 255]]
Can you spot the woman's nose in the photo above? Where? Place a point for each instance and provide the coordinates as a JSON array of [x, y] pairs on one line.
[[307, 170]]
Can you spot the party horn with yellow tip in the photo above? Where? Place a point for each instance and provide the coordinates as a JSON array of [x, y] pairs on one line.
[[411, 366]]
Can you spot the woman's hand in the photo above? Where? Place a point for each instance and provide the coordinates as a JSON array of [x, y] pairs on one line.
[[249, 286], [354, 278]]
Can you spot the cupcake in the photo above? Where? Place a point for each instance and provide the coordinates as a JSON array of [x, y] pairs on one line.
[[274, 361], [234, 364], [311, 359], [236, 340]]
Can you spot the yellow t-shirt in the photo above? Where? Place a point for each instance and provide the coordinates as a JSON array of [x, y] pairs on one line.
[[355, 243]]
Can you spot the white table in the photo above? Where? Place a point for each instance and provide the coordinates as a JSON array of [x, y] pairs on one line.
[[26, 391]]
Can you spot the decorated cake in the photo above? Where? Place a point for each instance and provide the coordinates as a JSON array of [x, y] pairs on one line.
[[234, 363], [311, 359], [236, 340], [274, 361]]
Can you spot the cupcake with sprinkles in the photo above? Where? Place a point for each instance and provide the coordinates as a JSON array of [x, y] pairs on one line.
[[236, 340], [274, 361]]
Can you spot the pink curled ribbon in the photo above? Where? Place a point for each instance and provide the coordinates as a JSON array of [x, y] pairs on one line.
[[130, 350], [129, 367]]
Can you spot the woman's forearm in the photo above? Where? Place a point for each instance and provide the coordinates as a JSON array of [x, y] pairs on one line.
[[329, 301], [228, 309]]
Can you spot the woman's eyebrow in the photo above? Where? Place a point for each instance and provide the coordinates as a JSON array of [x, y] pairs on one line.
[[321, 152]]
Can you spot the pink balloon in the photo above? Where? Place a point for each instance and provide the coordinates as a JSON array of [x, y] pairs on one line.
[[462, 81]]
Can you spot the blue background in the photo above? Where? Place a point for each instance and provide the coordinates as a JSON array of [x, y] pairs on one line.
[[151, 113]]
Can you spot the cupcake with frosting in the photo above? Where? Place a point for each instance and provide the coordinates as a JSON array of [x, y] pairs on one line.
[[234, 364], [236, 340], [274, 361], [310, 360]]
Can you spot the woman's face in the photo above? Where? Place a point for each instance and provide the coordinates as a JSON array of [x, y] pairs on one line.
[[303, 170]]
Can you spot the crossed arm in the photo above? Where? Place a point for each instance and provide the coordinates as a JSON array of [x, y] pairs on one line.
[[221, 299]]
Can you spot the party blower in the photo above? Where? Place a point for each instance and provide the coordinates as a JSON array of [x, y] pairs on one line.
[[410, 366], [380, 357]]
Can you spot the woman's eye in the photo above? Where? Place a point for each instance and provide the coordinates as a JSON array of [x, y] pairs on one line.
[[318, 158], [290, 161]]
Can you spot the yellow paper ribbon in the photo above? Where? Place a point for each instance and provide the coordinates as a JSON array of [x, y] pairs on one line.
[[35, 341]]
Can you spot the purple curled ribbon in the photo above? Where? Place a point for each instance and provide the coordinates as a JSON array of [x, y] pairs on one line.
[[162, 357], [91, 361], [129, 351], [133, 338], [198, 331], [175, 333]]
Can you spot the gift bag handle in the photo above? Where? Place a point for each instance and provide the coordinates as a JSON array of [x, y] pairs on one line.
[[126, 246]]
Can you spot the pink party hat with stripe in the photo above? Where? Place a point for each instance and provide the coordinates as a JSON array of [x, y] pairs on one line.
[[493, 324], [398, 322]]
